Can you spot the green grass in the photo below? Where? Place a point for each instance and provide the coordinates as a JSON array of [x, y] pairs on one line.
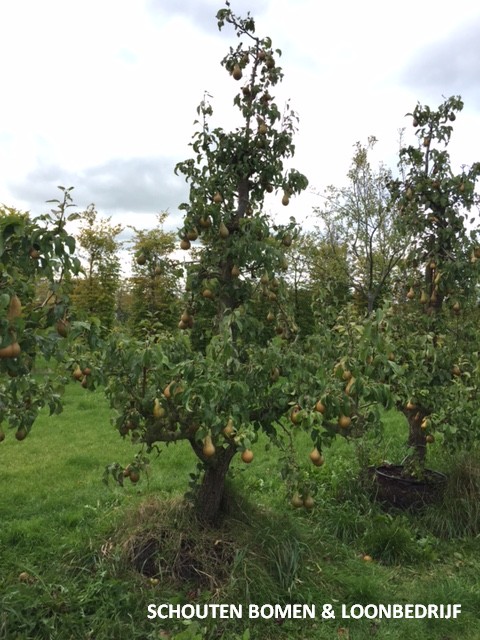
[[69, 544]]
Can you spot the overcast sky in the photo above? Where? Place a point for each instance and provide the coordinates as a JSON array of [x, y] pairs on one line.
[[101, 94]]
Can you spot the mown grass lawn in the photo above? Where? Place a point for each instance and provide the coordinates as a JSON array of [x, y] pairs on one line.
[[65, 539]]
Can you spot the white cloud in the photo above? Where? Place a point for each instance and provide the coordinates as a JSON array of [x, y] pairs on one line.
[[102, 92]]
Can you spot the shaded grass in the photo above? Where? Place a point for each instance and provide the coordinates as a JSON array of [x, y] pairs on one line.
[[80, 543]]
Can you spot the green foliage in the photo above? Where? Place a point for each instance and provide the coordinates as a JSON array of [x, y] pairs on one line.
[[33, 251], [95, 293], [153, 291], [359, 232]]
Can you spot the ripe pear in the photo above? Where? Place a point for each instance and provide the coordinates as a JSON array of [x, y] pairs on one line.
[[205, 222], [229, 430], [262, 129], [316, 457], [208, 447], [308, 502], [285, 200], [14, 308], [208, 293], [192, 234], [141, 259], [34, 253], [158, 410], [21, 434], [287, 240], [411, 294], [237, 72], [12, 351], [185, 244], [456, 307], [295, 414], [223, 232], [270, 316], [264, 279], [424, 298], [296, 501], [77, 373], [320, 407], [62, 327], [217, 198], [247, 456], [344, 421], [235, 272]]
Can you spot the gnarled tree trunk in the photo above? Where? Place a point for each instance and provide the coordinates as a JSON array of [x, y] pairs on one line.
[[211, 499]]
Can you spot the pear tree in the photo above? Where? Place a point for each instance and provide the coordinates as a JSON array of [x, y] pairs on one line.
[[435, 331], [37, 261], [237, 366], [218, 390]]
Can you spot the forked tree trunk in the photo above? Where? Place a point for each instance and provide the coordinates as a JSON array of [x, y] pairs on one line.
[[211, 499]]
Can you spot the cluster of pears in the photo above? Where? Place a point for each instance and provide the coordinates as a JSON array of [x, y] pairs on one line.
[[191, 231], [230, 433], [302, 500], [186, 320], [269, 286], [81, 375], [297, 414]]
